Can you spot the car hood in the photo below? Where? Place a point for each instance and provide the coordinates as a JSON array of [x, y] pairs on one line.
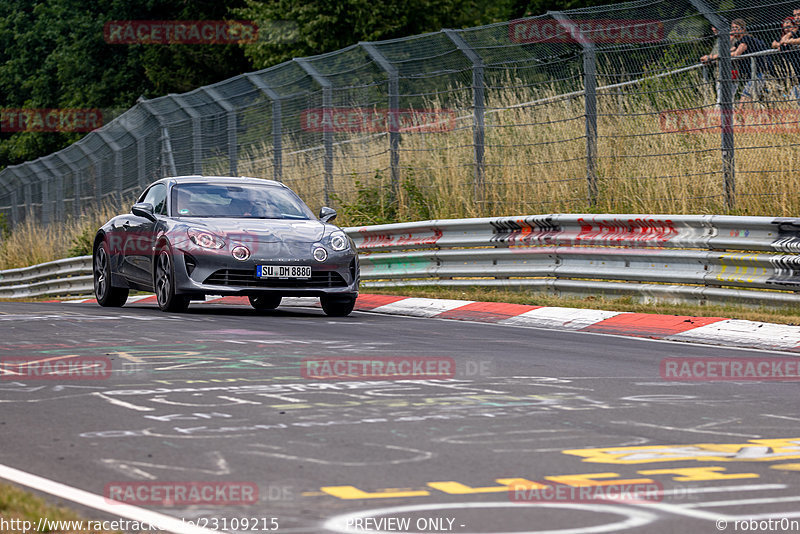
[[261, 230]]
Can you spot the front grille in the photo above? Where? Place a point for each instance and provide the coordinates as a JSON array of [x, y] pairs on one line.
[[246, 278]]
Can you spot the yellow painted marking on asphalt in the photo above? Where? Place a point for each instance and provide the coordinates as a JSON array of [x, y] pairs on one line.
[[786, 467], [756, 450], [451, 487], [698, 474], [456, 488], [128, 356], [352, 492], [588, 480]]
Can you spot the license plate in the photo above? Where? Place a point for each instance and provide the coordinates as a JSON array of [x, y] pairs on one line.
[[283, 271]]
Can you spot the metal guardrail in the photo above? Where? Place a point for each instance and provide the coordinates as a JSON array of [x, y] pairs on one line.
[[682, 258], [71, 276]]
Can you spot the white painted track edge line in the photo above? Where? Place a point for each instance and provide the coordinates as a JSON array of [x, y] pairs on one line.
[[96, 502]]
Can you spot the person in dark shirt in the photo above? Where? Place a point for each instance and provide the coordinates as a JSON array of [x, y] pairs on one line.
[[787, 65], [744, 43]]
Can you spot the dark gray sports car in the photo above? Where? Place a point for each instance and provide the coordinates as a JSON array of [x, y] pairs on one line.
[[192, 236]]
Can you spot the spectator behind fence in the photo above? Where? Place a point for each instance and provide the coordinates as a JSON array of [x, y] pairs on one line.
[[789, 47], [744, 43], [714, 54]]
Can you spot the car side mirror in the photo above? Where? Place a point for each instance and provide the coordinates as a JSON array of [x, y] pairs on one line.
[[144, 209], [327, 214]]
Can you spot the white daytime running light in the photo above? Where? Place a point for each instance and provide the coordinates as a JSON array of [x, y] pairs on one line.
[[205, 239], [240, 252], [320, 254], [338, 241]]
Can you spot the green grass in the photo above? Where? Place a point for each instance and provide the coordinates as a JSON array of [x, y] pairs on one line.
[[16, 503]]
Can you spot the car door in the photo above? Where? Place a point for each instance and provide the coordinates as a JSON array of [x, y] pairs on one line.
[[140, 237]]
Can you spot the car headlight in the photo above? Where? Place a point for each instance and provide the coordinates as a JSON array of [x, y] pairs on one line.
[[205, 239], [339, 241], [320, 254], [240, 252]]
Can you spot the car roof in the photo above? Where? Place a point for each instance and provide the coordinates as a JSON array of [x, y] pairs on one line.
[[220, 179]]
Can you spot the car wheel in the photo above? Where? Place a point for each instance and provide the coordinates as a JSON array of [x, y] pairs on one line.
[[165, 284], [106, 294], [337, 306], [265, 302]]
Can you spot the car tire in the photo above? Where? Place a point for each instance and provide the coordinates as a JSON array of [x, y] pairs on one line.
[[164, 284], [265, 302], [337, 306], [106, 294]]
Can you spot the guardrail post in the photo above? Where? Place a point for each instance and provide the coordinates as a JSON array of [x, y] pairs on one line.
[[327, 133], [167, 160], [277, 124], [394, 113], [725, 100], [118, 170], [197, 138], [233, 155], [589, 99], [479, 109]]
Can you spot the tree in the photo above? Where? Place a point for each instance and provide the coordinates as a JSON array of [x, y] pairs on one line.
[[292, 29], [53, 55]]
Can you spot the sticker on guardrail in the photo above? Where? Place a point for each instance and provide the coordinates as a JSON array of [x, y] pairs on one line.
[[525, 231]]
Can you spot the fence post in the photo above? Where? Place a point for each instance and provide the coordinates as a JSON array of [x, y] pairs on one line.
[[725, 100], [14, 208], [479, 109], [98, 180], [76, 183], [13, 197], [117, 162], [167, 160], [233, 155], [394, 113], [277, 124], [327, 134], [57, 200], [26, 188], [41, 172], [589, 99], [197, 137]]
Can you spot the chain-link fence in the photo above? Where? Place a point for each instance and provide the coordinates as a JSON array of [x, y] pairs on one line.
[[605, 109]]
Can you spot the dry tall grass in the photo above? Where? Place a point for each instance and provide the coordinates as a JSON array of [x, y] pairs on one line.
[[535, 163], [31, 243], [535, 158]]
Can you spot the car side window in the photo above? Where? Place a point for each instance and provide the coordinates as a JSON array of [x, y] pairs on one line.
[[157, 196]]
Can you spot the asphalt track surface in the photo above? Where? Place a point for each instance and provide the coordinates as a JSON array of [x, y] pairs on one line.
[[217, 394]]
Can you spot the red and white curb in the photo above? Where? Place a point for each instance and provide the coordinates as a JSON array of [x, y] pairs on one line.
[[710, 330]]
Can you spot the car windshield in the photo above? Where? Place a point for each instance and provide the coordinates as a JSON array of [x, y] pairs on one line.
[[251, 201]]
